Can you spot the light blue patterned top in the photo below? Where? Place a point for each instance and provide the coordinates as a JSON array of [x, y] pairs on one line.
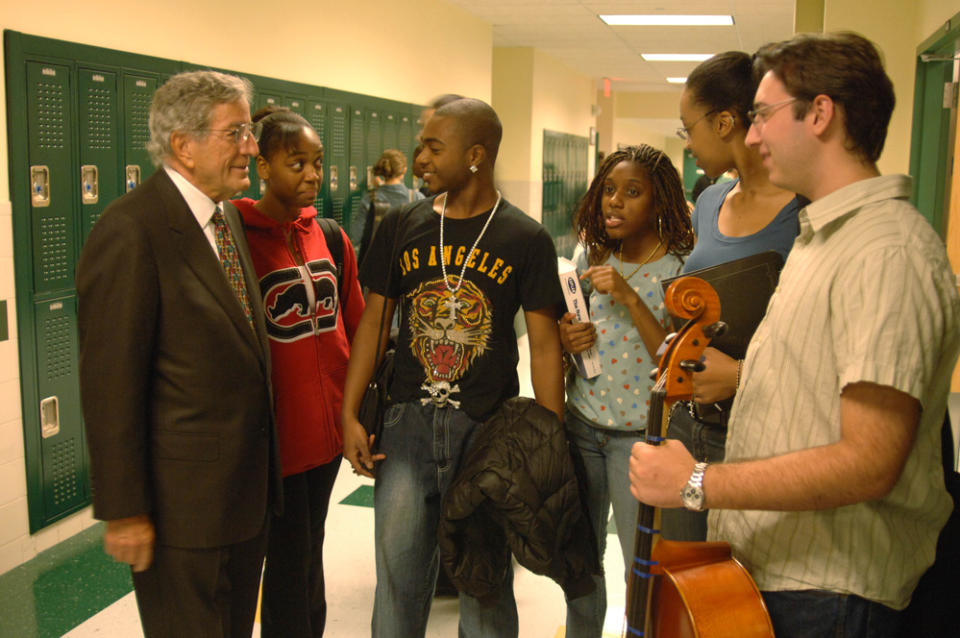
[[620, 396]]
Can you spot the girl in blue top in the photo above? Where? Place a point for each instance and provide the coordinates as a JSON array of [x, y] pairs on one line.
[[635, 227], [732, 220]]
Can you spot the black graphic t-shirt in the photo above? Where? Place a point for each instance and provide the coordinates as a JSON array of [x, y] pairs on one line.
[[461, 346]]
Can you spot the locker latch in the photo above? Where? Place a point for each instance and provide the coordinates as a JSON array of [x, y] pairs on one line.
[[39, 186], [333, 173], [369, 177], [133, 176], [49, 417], [353, 178], [89, 185]]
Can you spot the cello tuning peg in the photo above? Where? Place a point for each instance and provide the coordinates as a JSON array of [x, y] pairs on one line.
[[669, 337], [654, 373], [691, 365], [715, 329]]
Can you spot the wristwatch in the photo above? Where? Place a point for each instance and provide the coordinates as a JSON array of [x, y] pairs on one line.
[[692, 492]]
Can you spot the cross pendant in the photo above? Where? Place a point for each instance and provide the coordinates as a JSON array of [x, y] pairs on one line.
[[453, 304]]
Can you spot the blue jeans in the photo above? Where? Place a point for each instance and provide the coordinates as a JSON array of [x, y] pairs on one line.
[[705, 443], [823, 614], [424, 446], [606, 458]]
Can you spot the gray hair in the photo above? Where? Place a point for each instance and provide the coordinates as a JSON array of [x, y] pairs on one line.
[[186, 101]]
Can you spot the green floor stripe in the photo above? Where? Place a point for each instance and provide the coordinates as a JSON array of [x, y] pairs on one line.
[[362, 497], [61, 587]]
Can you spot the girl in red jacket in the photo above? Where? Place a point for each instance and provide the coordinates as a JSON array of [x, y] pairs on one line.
[[312, 312]]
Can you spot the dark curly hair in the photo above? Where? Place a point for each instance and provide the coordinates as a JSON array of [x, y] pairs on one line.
[[668, 200]]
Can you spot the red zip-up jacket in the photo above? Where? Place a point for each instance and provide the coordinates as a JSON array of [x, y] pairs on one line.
[[310, 332]]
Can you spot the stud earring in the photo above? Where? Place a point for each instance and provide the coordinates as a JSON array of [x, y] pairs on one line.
[[474, 169]]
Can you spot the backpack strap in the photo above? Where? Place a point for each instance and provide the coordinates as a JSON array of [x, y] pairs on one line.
[[331, 232]]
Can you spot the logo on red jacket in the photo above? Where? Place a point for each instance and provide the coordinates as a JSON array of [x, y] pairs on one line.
[[287, 301]]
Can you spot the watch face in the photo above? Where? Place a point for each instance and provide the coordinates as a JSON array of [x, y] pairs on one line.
[[692, 497]]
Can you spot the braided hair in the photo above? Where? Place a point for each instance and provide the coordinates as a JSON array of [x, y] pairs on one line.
[[668, 199]]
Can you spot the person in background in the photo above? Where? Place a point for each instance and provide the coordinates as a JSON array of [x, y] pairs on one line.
[[832, 493], [636, 230], [731, 219], [175, 370], [311, 311], [388, 174]]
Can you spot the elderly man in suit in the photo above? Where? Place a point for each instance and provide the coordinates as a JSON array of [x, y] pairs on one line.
[[174, 370]]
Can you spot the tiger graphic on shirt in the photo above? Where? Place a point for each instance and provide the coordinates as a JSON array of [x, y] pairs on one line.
[[448, 331]]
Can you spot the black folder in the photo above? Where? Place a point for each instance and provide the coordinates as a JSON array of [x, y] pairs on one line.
[[744, 287]]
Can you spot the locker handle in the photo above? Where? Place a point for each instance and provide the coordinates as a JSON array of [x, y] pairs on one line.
[[334, 178], [353, 178], [89, 184], [369, 177], [49, 417], [39, 186], [133, 176]]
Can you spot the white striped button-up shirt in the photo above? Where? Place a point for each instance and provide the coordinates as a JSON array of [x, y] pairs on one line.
[[867, 294]]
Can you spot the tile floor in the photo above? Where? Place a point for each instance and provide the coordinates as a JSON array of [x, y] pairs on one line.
[[75, 590]]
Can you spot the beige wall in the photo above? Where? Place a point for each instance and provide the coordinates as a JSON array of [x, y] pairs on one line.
[[428, 47], [886, 23], [932, 14], [533, 92]]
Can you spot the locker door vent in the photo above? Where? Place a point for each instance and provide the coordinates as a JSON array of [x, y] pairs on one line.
[[50, 115], [63, 475], [54, 264], [100, 114], [338, 142], [139, 118], [59, 347], [338, 210]]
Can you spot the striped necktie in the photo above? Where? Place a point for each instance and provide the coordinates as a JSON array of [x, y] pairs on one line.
[[230, 261]]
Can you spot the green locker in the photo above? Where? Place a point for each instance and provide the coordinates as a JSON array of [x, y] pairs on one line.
[[64, 467], [406, 143], [51, 132], [138, 90], [316, 114], [355, 181], [390, 130], [337, 161], [296, 104], [100, 181]]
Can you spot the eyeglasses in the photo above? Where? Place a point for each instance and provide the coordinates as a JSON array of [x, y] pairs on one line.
[[241, 133], [761, 115], [684, 131]]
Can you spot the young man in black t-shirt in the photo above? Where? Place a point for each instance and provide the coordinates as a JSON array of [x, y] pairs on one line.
[[467, 260]]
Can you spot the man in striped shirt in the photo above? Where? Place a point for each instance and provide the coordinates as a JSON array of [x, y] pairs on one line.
[[832, 491]]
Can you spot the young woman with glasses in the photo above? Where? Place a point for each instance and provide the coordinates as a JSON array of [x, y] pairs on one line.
[[731, 220]]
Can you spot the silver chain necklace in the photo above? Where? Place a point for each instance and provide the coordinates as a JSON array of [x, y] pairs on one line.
[[453, 304]]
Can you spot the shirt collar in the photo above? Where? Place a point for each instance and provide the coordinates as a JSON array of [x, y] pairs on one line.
[[852, 197], [200, 205]]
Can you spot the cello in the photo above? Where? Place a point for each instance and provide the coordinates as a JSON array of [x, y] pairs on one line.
[[688, 589]]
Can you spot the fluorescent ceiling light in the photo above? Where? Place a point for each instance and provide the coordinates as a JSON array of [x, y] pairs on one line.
[[658, 20], [677, 80], [676, 57]]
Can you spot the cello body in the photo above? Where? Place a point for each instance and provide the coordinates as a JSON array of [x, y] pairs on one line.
[[704, 592]]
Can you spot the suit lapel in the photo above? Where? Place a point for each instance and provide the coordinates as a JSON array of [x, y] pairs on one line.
[[200, 257]]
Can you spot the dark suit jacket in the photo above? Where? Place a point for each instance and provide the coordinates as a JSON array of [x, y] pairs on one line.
[[174, 385]]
